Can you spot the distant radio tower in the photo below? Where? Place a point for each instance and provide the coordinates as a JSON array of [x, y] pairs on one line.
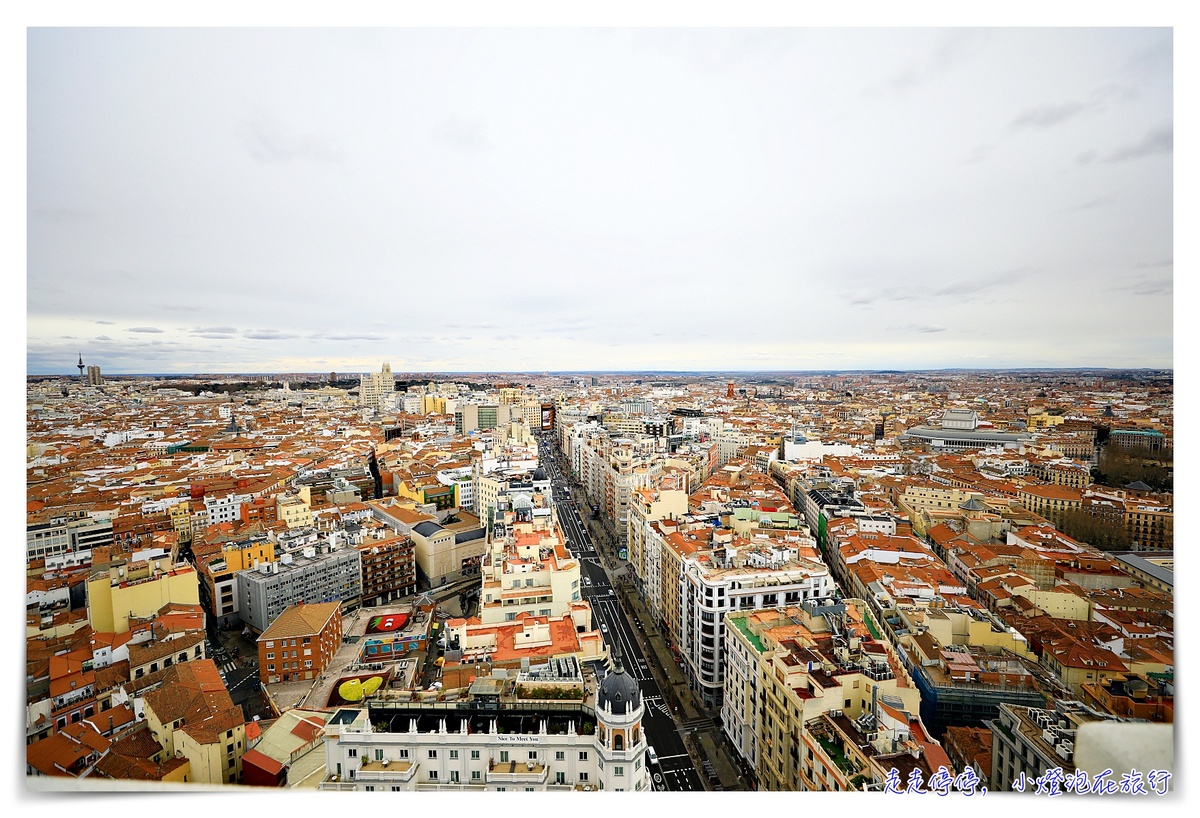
[[81, 366]]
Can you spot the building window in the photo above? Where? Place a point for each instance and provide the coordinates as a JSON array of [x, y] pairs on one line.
[[352, 752], [433, 753], [433, 775], [583, 776], [618, 770], [474, 755], [504, 756], [454, 776], [474, 775], [379, 755], [453, 754], [583, 755], [560, 756]]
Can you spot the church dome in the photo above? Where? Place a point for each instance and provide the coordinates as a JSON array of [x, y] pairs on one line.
[[539, 475], [618, 694]]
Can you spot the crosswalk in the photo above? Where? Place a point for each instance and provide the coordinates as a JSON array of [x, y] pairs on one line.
[[658, 704], [696, 725]]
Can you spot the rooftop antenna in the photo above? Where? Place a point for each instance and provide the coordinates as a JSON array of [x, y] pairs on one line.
[[80, 366]]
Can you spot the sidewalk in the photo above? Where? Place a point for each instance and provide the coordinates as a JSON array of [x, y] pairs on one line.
[[705, 743]]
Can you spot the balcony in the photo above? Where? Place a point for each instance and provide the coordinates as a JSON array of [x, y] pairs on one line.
[[386, 771], [517, 772]]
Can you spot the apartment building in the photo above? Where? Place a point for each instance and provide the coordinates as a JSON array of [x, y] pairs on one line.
[[300, 642], [528, 571], [320, 573], [648, 505], [376, 389], [389, 567], [886, 746], [1028, 741], [787, 665], [128, 589], [736, 574], [218, 574], [493, 746], [192, 716], [966, 662]]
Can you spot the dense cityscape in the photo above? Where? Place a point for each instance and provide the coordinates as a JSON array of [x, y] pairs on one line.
[[764, 402], [662, 581]]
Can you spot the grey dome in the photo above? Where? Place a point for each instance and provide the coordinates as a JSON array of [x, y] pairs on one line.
[[619, 693], [539, 475]]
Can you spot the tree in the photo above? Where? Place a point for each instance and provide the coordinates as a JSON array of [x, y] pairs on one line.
[[1093, 530], [1118, 467]]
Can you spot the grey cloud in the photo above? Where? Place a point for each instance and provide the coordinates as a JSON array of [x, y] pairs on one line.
[[1045, 116], [886, 294], [216, 336], [1161, 140], [60, 215], [978, 285], [266, 143], [143, 329], [917, 328], [109, 323], [214, 330], [1152, 285], [958, 288], [102, 338], [1091, 204], [365, 336], [268, 335], [947, 52], [464, 135], [979, 154]]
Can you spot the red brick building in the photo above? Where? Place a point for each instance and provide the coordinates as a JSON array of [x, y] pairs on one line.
[[300, 643]]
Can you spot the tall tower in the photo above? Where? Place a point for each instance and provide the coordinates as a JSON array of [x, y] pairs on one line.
[[80, 365], [619, 712], [729, 389]]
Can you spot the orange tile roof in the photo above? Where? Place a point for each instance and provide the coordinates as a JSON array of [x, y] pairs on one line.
[[301, 620]]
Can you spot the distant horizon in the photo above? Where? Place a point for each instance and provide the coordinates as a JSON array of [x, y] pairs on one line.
[[561, 372]]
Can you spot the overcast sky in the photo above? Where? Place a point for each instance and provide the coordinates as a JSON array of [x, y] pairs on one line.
[[280, 200]]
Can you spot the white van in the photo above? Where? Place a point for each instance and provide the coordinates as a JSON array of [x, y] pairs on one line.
[[651, 756]]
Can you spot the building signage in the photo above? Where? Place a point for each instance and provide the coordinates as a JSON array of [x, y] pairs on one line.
[[518, 739]]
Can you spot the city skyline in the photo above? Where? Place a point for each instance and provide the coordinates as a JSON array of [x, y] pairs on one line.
[[475, 200]]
